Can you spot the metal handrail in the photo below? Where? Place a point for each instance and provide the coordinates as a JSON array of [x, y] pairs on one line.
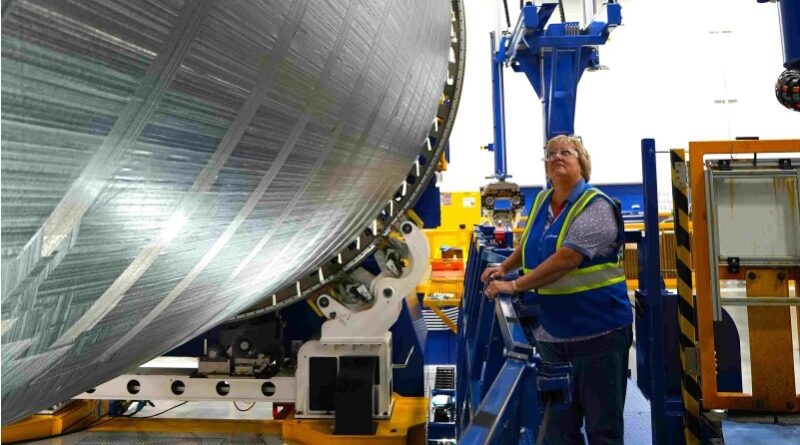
[[501, 381]]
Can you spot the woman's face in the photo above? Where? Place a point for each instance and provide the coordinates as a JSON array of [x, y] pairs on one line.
[[561, 162]]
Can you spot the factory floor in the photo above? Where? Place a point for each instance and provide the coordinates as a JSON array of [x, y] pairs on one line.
[[637, 428], [637, 409]]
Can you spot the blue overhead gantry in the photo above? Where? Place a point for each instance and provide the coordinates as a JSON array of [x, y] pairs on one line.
[[504, 391], [553, 57]]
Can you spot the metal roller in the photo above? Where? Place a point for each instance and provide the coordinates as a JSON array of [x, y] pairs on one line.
[[168, 164]]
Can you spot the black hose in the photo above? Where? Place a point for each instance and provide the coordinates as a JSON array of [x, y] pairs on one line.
[[787, 89], [158, 414]]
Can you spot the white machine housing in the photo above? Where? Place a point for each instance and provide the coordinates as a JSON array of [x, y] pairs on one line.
[[366, 333]]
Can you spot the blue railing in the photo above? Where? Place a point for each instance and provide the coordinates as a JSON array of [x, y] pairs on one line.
[[502, 385]]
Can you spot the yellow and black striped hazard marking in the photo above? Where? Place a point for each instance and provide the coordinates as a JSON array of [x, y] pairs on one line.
[[690, 375]]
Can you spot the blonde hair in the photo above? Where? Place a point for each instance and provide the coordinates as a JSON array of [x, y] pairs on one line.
[[577, 143]]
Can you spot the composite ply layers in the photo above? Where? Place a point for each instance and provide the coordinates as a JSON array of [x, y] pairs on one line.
[[167, 164]]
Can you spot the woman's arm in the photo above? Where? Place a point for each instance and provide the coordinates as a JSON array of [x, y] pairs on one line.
[[550, 270], [512, 262]]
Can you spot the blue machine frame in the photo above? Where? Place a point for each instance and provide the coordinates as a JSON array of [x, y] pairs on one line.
[[789, 17], [553, 58], [499, 114], [654, 306], [657, 329], [498, 371]]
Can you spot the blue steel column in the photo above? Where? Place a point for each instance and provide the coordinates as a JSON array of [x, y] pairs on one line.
[[565, 72], [789, 15], [655, 315], [498, 107], [554, 57]]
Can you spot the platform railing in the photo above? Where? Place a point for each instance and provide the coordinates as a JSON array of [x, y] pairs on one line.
[[503, 388]]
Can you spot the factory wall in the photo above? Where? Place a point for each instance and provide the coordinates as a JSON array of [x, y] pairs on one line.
[[678, 71]]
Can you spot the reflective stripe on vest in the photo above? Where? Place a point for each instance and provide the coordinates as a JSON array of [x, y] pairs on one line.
[[580, 204], [588, 278], [574, 210], [578, 280], [537, 204]]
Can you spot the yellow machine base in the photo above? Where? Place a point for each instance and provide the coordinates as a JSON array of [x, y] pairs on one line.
[[77, 415], [406, 427]]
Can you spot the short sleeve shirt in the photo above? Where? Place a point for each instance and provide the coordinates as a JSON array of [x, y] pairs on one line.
[[594, 230]]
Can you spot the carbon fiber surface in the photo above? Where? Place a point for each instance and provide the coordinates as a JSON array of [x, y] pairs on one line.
[[169, 164]]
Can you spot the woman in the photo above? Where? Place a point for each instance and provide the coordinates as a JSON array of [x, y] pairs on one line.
[[569, 253]]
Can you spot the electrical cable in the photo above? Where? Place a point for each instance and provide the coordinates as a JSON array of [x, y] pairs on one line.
[[252, 404], [561, 11], [787, 89], [508, 18], [158, 414]]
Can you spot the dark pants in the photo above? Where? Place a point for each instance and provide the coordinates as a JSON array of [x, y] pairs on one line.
[[600, 373]]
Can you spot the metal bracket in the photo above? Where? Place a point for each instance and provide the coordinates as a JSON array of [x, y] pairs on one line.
[[404, 365], [516, 355], [387, 289], [724, 164], [785, 164], [692, 358], [733, 264], [169, 385]]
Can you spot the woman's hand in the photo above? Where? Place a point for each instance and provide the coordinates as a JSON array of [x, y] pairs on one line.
[[493, 273], [498, 287]]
